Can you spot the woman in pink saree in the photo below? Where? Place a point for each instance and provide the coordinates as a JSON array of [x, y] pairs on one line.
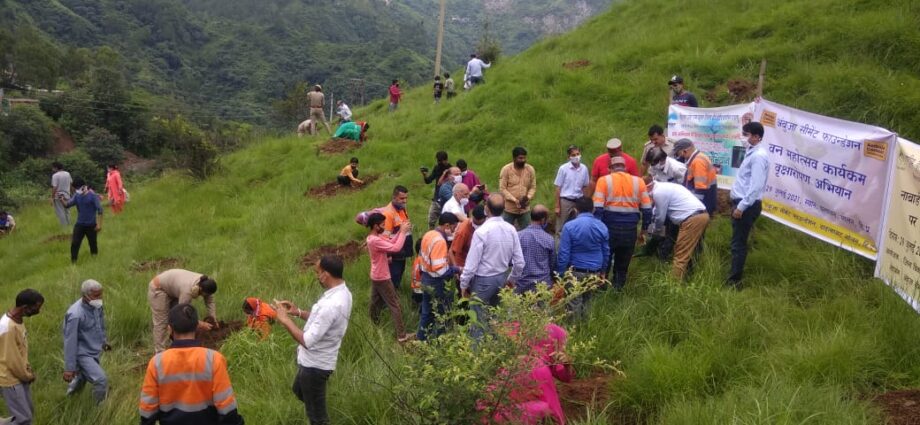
[[115, 189]]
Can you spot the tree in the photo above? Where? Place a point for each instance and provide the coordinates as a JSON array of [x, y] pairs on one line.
[[289, 111], [28, 131], [103, 147], [488, 46]]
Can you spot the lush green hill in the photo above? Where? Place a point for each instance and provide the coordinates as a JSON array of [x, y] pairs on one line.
[[809, 341]]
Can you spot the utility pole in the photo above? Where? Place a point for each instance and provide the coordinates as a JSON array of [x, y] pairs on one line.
[[437, 57]]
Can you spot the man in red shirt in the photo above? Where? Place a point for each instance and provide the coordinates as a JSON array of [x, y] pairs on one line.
[[602, 163]]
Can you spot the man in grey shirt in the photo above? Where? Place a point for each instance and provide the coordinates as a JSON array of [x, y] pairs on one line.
[[61, 190], [84, 341]]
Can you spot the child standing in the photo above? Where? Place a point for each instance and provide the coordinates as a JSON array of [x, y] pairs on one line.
[[438, 88], [449, 86]]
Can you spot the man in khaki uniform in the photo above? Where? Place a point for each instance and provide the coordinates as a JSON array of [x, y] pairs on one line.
[[177, 286], [317, 101]]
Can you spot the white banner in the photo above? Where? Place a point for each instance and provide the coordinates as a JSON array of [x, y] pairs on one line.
[[899, 256], [828, 177], [714, 131]]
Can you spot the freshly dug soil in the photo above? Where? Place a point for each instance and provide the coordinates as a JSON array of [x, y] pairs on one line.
[[901, 407], [576, 64], [724, 203], [331, 189], [349, 251], [58, 238], [158, 264], [580, 394], [214, 339], [335, 146]]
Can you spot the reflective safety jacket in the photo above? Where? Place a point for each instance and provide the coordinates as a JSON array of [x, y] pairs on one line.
[[701, 180], [434, 254], [263, 315], [619, 198], [188, 385]]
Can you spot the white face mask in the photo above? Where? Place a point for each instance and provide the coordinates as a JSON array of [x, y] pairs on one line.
[[463, 174], [575, 160], [95, 303], [659, 167], [458, 179], [464, 201]]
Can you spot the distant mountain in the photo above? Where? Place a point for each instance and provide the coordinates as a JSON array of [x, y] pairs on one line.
[[232, 58]]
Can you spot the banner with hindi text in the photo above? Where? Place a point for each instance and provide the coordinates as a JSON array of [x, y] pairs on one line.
[[716, 132], [828, 177], [899, 256]]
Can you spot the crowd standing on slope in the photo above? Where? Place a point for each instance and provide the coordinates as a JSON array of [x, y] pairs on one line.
[[476, 244]]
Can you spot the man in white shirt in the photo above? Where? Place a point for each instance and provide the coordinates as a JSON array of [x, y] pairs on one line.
[[495, 245], [474, 70], [572, 182], [676, 203], [457, 203], [663, 168], [61, 191], [321, 337], [343, 111]]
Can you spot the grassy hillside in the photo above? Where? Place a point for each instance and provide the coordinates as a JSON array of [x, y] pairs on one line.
[[809, 341]]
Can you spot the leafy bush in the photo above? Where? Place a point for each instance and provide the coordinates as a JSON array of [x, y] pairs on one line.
[[193, 151], [78, 163], [103, 147], [488, 46], [28, 131]]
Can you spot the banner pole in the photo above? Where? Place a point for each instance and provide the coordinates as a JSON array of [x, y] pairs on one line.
[[763, 71]]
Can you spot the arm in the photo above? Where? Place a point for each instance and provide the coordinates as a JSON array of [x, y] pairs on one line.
[[472, 262], [389, 245], [532, 183], [431, 177], [149, 405], [351, 176], [661, 211], [16, 361], [565, 246], [503, 186], [211, 306], [558, 200], [71, 202], [517, 260], [759, 171], [223, 398], [605, 247], [71, 326]]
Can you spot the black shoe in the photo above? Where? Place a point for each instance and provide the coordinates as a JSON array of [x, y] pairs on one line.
[[734, 284]]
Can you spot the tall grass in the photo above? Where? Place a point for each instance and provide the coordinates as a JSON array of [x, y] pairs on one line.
[[811, 335]]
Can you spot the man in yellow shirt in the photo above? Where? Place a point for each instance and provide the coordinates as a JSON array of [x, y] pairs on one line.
[[15, 371], [518, 184], [349, 174]]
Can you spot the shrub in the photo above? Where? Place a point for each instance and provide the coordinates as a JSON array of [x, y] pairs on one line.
[[193, 151], [28, 131], [103, 147]]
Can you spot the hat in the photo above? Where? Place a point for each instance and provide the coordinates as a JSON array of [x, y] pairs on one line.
[[617, 160], [676, 79], [683, 144], [614, 143], [318, 86]]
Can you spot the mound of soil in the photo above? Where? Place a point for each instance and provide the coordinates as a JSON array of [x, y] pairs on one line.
[[576, 64], [158, 264], [58, 238], [215, 338], [348, 252], [63, 143], [331, 189], [136, 164], [900, 407], [335, 146], [742, 90], [724, 203], [580, 394]]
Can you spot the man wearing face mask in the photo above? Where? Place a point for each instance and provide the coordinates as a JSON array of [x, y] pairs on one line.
[[446, 189], [436, 269], [746, 194], [663, 168], [679, 96], [700, 177], [539, 250], [16, 373], [457, 203], [84, 342], [518, 184], [471, 180], [572, 182], [177, 286], [396, 216]]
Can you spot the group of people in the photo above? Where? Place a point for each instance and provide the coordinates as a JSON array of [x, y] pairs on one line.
[[347, 129]]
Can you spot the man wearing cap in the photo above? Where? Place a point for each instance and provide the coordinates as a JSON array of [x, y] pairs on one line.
[[746, 194], [602, 163], [317, 101], [656, 139], [620, 200], [679, 95], [572, 182], [700, 177]]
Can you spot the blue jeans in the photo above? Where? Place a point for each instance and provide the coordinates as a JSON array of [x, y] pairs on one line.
[[741, 230], [89, 370], [485, 288], [434, 298]]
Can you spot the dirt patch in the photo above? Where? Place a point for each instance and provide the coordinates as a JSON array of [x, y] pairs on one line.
[[136, 164], [331, 189], [348, 252], [214, 339], [63, 143], [58, 238], [901, 407], [158, 264], [576, 64], [724, 203], [581, 394], [742, 90], [335, 146]]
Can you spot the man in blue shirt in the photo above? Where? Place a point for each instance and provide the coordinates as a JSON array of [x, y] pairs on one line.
[[539, 249], [584, 249], [746, 194], [84, 341], [88, 209]]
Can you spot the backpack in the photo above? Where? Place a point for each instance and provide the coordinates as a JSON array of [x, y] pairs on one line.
[[361, 217]]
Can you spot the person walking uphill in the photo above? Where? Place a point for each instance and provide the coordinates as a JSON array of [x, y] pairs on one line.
[[187, 384], [84, 341], [115, 189], [382, 290], [61, 191], [16, 373], [178, 286], [746, 195], [317, 101], [517, 182], [620, 200], [319, 342], [89, 219], [474, 70], [395, 95]]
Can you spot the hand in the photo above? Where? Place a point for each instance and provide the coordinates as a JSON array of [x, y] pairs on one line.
[[558, 211], [736, 214], [211, 320], [406, 228], [560, 357], [641, 239], [509, 284], [204, 326], [359, 182], [465, 293], [68, 376], [98, 227]]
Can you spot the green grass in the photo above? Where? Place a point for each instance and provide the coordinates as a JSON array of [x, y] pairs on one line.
[[812, 336]]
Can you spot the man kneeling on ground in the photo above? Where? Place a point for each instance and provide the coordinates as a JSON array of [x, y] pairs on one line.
[[349, 174]]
